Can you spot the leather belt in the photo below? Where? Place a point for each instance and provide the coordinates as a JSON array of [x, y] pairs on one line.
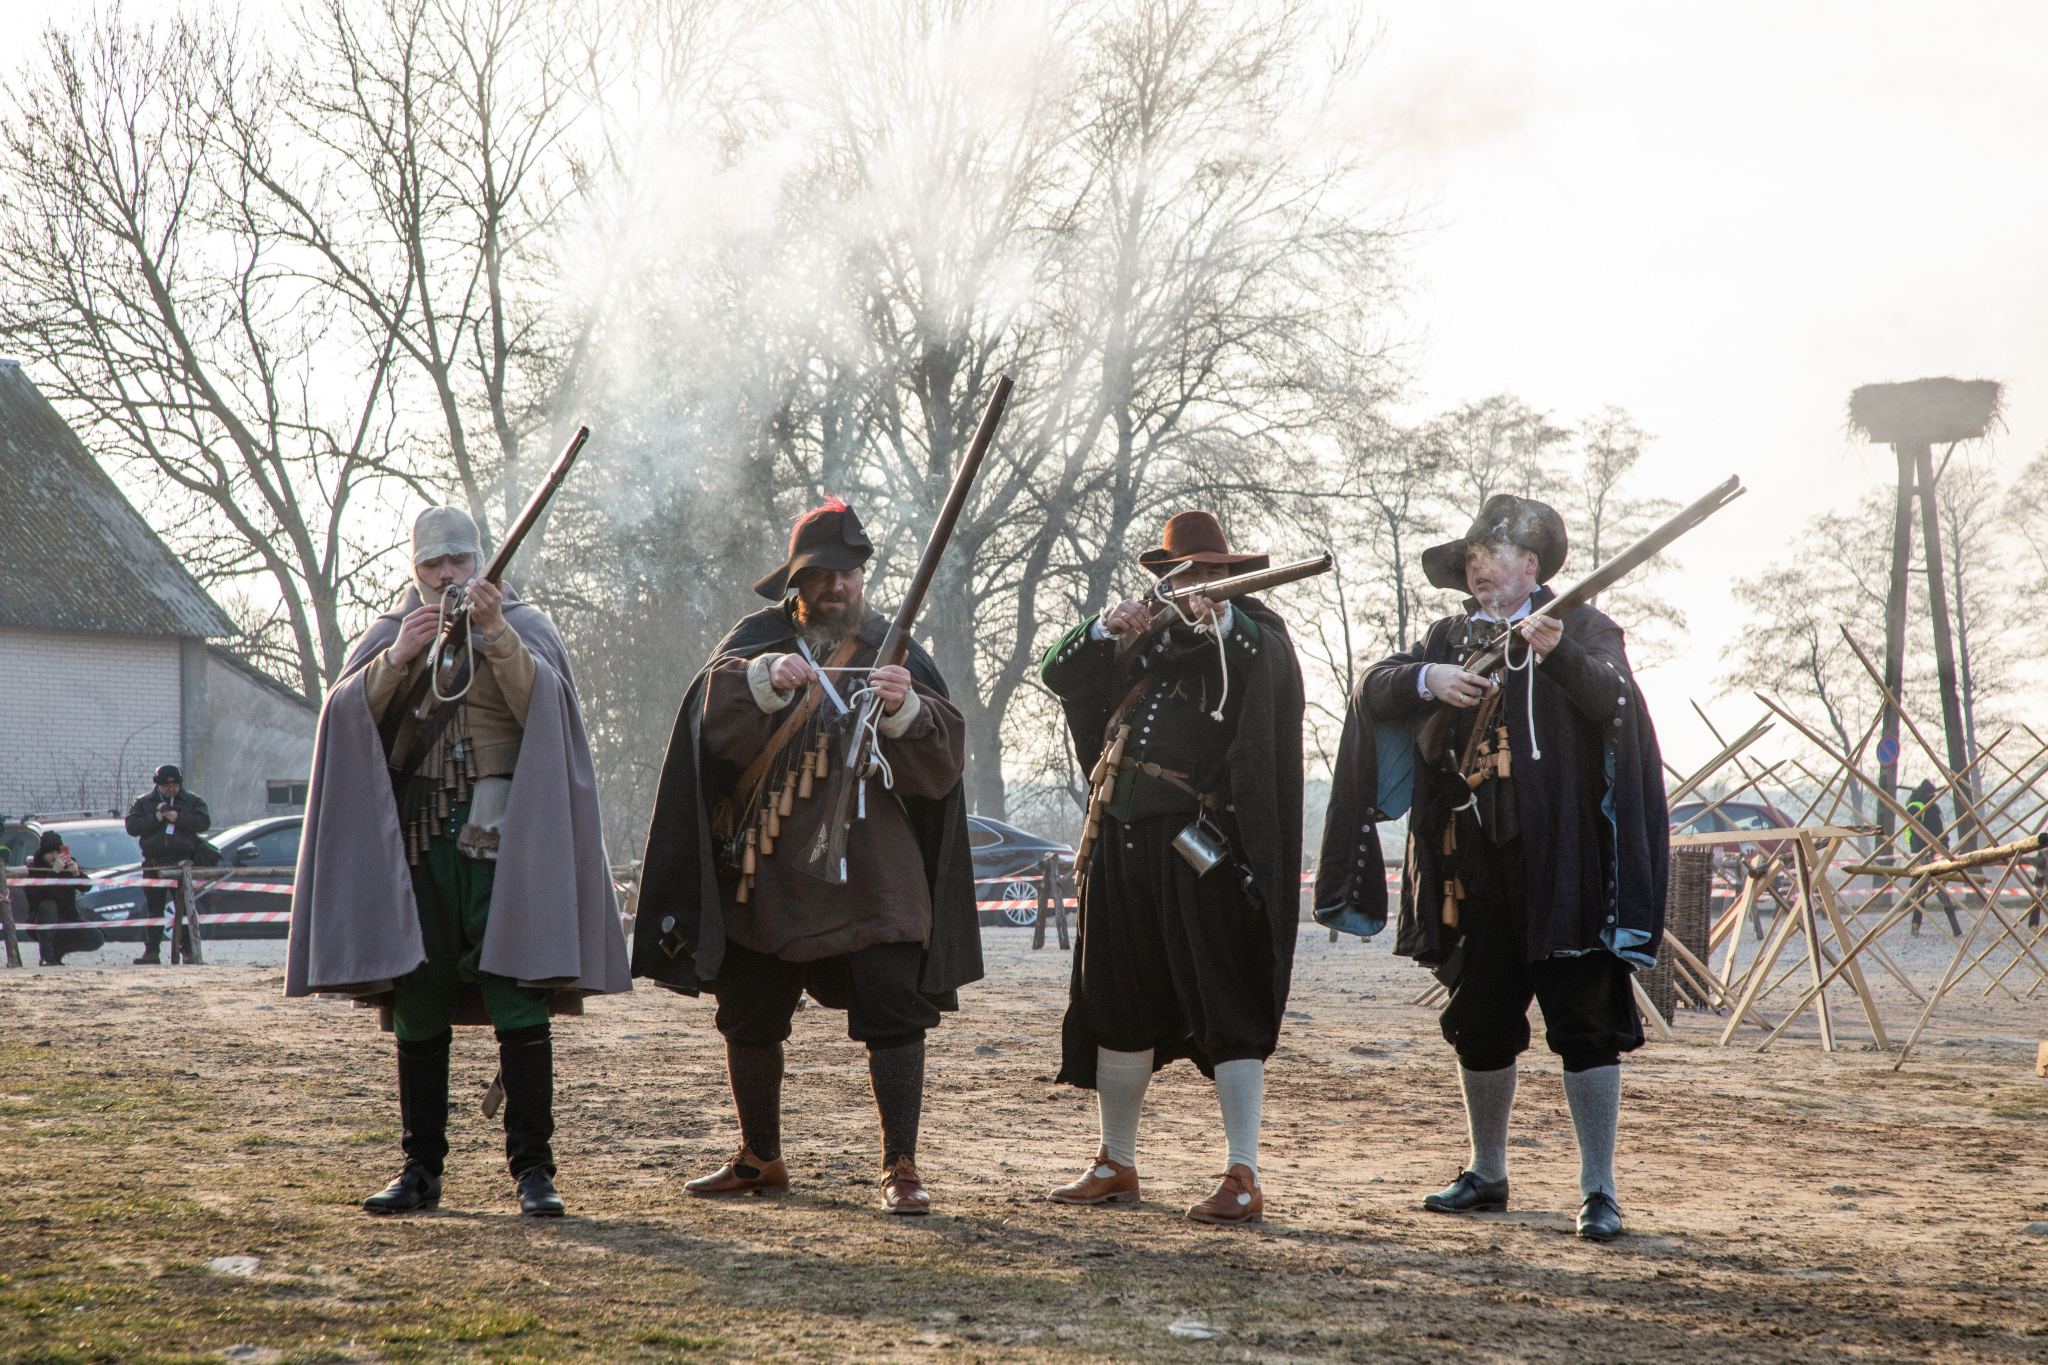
[[1208, 800]]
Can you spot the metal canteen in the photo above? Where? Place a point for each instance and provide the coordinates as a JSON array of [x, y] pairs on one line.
[[1201, 846]]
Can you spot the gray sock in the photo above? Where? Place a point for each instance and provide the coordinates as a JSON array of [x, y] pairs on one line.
[[1489, 1100], [1120, 1082], [1595, 1099], [1241, 1091]]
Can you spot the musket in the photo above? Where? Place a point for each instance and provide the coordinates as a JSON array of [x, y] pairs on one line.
[[449, 644], [826, 857], [1237, 585], [1217, 590], [1488, 661]]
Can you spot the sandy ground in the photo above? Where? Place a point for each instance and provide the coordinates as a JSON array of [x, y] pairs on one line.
[[1788, 1205]]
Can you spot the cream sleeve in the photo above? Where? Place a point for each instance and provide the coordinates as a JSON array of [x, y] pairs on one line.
[[512, 665]]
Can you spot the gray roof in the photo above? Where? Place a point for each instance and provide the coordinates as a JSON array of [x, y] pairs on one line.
[[74, 553]]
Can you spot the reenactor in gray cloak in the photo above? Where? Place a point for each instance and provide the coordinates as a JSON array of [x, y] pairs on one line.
[[480, 890]]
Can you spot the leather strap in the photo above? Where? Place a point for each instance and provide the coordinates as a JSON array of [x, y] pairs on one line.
[[749, 785]]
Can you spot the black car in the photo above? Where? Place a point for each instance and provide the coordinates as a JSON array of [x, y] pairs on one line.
[[271, 845], [1006, 863]]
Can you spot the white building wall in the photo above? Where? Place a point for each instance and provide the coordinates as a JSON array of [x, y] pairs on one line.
[[255, 736], [85, 718]]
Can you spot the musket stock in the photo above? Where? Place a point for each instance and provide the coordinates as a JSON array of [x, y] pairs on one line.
[[826, 858], [1430, 741]]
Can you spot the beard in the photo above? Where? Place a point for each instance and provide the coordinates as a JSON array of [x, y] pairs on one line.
[[829, 619]]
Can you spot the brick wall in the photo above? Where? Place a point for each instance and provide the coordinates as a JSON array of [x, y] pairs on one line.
[[84, 718]]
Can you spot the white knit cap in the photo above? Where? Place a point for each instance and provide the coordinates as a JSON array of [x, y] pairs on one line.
[[443, 531]]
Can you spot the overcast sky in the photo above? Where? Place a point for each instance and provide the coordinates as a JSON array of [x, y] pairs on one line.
[[1720, 217], [1723, 218]]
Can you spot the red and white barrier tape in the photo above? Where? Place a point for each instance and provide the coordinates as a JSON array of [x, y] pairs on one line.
[[234, 917]]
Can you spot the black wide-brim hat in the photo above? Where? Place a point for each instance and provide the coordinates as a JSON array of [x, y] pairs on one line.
[[1505, 520], [1196, 537], [828, 538]]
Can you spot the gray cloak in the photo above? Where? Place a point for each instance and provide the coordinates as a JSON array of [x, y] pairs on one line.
[[554, 914]]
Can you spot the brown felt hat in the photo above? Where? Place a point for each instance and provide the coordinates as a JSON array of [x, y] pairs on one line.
[[1196, 537], [827, 537], [1505, 520]]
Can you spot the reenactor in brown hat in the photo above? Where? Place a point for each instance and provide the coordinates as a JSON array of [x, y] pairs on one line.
[[1189, 721], [762, 733], [1537, 843]]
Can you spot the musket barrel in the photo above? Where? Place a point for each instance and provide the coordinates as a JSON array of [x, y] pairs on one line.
[[1237, 585]]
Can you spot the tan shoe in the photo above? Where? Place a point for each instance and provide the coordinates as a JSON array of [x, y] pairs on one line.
[[742, 1175], [1106, 1182], [902, 1191], [1237, 1199]]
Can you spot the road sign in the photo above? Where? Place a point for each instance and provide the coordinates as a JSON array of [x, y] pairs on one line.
[[1887, 750]]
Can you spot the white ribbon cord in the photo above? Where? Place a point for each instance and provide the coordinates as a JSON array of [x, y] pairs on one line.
[[1214, 624], [468, 639], [1528, 666]]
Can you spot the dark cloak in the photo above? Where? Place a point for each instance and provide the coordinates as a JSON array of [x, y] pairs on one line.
[[1264, 763], [682, 881], [1595, 833]]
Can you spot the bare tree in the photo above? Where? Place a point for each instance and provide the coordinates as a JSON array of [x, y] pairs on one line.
[[141, 273], [1976, 553], [428, 175], [1496, 445]]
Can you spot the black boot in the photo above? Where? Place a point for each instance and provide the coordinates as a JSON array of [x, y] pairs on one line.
[[526, 1063], [423, 1112]]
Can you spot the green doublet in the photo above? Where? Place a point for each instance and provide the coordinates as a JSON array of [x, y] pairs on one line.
[[1173, 722], [453, 893]]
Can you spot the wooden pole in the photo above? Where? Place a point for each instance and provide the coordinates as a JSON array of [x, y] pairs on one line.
[[1895, 640], [1944, 644], [187, 917], [1044, 904], [1059, 901], [7, 919]]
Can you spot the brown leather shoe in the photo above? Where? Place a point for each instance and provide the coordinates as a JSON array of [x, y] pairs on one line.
[[1106, 1182], [742, 1175], [902, 1191], [1237, 1199]]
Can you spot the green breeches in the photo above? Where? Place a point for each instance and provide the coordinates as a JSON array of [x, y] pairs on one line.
[[454, 897]]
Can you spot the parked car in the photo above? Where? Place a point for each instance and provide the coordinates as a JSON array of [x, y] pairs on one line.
[[1733, 817], [86, 831], [1006, 861], [270, 845]]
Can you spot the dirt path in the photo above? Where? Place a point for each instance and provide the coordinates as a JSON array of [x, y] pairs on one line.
[[1786, 1206]]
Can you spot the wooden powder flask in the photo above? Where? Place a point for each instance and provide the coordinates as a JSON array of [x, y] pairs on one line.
[[788, 801], [1101, 782], [810, 774]]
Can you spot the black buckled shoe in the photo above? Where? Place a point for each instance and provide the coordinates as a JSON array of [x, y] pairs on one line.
[[1599, 1218], [416, 1188], [1469, 1194], [537, 1195]]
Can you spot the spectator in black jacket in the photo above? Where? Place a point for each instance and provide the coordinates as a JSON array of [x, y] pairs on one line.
[[167, 820], [56, 904]]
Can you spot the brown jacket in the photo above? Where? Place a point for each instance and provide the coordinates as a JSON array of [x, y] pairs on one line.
[[887, 897], [494, 708]]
